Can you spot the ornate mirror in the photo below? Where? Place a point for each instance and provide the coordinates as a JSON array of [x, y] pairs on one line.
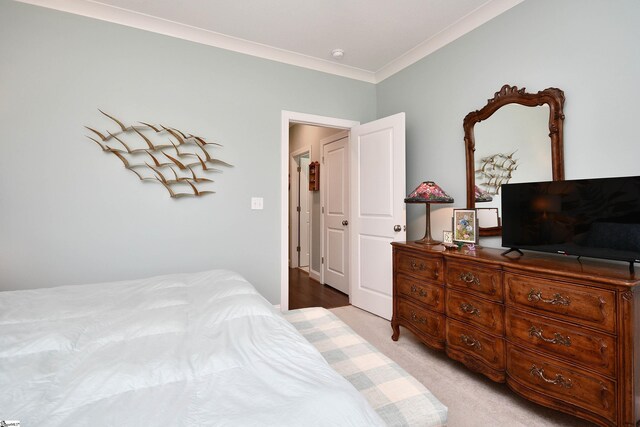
[[516, 137]]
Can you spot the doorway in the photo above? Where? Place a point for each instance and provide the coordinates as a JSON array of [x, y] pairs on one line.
[[300, 210], [376, 200], [306, 252]]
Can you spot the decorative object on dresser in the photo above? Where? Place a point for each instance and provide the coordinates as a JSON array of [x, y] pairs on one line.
[[428, 192], [141, 148], [447, 237], [529, 124], [560, 332], [465, 226]]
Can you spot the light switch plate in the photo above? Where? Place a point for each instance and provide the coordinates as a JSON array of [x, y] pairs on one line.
[[257, 203]]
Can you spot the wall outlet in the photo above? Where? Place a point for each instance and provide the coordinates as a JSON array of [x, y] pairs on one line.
[[257, 203]]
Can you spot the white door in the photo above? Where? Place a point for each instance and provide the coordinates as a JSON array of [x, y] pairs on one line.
[[377, 163], [336, 214], [304, 216]]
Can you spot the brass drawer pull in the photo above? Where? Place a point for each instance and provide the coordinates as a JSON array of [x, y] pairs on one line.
[[557, 338], [470, 278], [557, 299], [417, 319], [559, 379], [415, 266], [419, 291], [471, 342], [468, 308]]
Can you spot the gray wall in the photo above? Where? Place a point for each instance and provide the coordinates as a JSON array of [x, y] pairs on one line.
[[589, 49], [71, 214]]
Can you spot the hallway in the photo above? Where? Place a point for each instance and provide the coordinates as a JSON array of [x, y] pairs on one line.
[[305, 292]]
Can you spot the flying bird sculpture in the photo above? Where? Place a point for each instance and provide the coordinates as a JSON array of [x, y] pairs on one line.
[[495, 170], [197, 192], [181, 153], [141, 147]]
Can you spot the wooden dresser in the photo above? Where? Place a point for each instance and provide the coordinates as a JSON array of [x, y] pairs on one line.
[[561, 332]]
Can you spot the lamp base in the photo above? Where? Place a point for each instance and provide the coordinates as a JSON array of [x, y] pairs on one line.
[[427, 240]]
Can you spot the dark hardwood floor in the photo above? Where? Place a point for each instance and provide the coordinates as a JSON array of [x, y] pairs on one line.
[[306, 292]]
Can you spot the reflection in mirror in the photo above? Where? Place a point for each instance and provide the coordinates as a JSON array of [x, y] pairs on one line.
[[512, 146], [488, 217]]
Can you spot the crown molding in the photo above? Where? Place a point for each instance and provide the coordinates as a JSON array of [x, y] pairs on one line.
[[466, 24], [103, 12], [166, 27]]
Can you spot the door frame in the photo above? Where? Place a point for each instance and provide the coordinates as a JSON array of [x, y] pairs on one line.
[[295, 188], [288, 117], [324, 141]]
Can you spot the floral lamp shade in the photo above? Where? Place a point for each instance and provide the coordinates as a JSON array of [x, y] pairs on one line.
[[482, 196], [428, 192]]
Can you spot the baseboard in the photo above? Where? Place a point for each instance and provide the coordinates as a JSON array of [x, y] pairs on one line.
[[277, 307]]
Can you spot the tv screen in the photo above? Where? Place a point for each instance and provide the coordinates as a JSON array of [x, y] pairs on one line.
[[597, 217]]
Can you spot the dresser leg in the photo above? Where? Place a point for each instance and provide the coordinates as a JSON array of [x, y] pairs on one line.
[[396, 330]]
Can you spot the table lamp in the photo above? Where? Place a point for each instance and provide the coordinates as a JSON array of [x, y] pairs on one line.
[[428, 192]]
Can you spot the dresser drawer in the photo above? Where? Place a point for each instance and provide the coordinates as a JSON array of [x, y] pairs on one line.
[[422, 267], [423, 292], [424, 321], [485, 314], [562, 382], [469, 340], [576, 303], [592, 349], [475, 278]]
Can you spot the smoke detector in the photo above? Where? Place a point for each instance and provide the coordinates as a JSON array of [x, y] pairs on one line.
[[337, 53]]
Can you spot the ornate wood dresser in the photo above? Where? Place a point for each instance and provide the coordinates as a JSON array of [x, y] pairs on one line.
[[561, 332]]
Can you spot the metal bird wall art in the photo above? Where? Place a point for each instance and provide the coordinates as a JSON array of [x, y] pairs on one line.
[[496, 170], [152, 151]]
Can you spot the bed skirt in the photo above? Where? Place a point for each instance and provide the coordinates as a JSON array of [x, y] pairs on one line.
[[397, 397]]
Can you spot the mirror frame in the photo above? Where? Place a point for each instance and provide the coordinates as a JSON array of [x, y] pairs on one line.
[[553, 97]]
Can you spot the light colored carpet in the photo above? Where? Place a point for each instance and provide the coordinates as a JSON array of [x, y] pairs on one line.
[[472, 399]]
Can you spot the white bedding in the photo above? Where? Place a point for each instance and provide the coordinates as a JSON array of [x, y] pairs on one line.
[[179, 350]]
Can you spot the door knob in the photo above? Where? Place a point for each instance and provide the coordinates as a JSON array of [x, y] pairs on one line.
[[397, 228], [345, 222]]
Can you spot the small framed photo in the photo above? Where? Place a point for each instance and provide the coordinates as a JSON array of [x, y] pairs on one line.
[[465, 226], [447, 237]]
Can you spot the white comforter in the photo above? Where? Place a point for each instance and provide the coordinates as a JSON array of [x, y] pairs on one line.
[[179, 350]]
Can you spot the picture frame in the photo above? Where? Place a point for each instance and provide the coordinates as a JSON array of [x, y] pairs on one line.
[[447, 237], [465, 226]]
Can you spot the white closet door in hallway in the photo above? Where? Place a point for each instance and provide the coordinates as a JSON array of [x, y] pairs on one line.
[[305, 212], [336, 214]]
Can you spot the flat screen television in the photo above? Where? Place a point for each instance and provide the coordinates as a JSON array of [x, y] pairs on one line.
[[598, 217]]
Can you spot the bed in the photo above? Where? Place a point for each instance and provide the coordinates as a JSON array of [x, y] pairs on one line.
[[397, 397], [179, 350]]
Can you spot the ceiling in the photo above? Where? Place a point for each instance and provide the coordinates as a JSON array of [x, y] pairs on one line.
[[379, 37]]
